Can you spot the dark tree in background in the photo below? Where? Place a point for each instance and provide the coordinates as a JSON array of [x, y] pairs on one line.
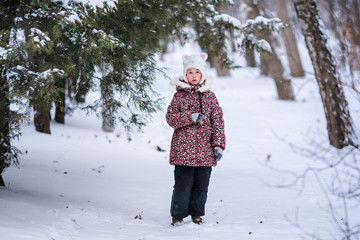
[[8, 124], [339, 123], [4, 126]]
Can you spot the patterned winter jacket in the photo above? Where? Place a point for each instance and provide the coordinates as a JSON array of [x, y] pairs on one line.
[[193, 144]]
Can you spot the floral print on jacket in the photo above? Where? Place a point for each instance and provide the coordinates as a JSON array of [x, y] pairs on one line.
[[193, 144]]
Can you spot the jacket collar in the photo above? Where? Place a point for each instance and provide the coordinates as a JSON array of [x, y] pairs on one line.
[[181, 84]]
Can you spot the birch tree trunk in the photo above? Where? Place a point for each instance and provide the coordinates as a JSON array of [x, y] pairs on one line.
[[292, 52], [339, 123]]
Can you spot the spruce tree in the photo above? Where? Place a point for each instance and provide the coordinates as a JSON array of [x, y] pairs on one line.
[[8, 121]]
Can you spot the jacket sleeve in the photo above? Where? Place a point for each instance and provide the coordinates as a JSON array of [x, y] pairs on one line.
[[175, 117], [218, 138]]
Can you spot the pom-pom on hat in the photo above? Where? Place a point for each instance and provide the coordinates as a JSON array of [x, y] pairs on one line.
[[195, 61]]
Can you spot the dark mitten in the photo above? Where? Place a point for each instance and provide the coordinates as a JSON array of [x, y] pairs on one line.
[[218, 153], [196, 117]]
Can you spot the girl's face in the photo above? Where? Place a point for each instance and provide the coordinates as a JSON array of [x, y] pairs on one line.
[[193, 76]]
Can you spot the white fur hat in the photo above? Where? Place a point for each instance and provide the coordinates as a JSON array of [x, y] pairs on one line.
[[195, 61]]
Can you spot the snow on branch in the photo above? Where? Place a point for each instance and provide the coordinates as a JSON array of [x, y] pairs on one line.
[[41, 42], [3, 53], [247, 38], [104, 4], [228, 19], [246, 32], [261, 23]]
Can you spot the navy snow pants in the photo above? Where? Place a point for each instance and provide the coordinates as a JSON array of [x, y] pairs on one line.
[[190, 191]]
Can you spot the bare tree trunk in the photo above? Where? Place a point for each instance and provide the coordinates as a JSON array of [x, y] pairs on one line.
[[356, 14], [352, 34], [250, 53], [293, 56], [42, 119], [42, 113], [332, 20], [216, 61], [2, 183], [254, 12], [271, 62], [107, 112], [276, 70], [250, 58], [234, 11], [60, 107], [339, 123]]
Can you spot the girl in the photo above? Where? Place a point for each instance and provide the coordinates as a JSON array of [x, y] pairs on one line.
[[198, 140]]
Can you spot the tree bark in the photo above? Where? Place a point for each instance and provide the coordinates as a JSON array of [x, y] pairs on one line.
[[82, 86], [216, 62], [42, 113], [264, 68], [250, 53], [293, 56], [42, 119], [60, 107], [339, 123], [276, 69], [2, 183], [5, 147], [107, 113], [271, 63]]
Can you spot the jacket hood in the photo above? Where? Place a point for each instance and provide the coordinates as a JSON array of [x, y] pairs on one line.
[[180, 83]]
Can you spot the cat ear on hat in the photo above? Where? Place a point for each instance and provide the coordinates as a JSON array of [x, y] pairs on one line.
[[204, 56], [185, 58]]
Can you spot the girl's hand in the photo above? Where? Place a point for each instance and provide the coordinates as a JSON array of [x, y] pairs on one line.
[[218, 153], [196, 117]]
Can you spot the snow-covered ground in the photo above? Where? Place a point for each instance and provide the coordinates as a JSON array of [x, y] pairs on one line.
[[80, 183]]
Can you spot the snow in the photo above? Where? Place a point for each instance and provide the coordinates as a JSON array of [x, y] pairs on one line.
[[227, 18], [273, 23], [36, 33], [3, 53], [94, 3], [80, 183]]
